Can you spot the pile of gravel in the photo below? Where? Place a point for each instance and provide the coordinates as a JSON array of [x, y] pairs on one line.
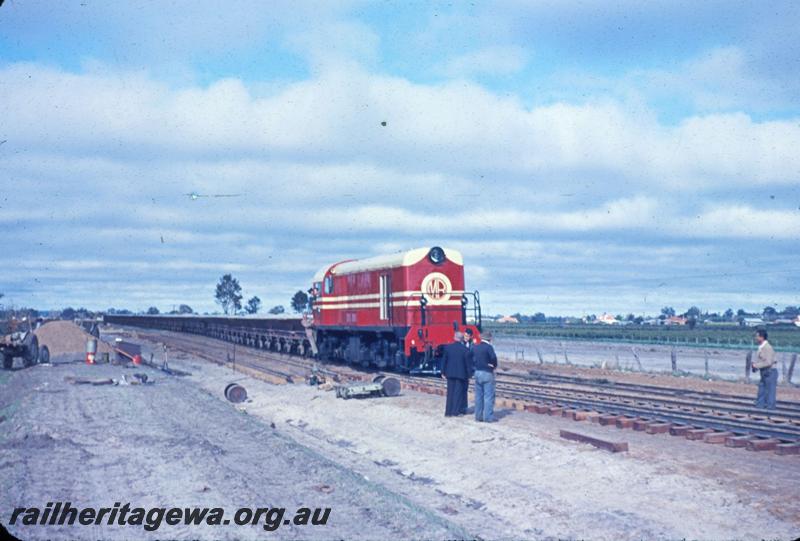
[[66, 340]]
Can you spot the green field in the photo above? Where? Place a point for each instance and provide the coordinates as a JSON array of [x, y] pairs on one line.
[[783, 338]]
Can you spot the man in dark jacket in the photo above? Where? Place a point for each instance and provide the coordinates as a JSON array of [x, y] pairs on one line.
[[456, 369], [485, 362], [469, 341]]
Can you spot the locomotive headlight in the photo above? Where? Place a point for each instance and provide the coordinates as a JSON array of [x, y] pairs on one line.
[[436, 255]]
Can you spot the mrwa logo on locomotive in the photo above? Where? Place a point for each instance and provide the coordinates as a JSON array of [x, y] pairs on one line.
[[436, 287]]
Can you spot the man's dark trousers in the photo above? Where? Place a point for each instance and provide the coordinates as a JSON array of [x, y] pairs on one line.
[[455, 397]]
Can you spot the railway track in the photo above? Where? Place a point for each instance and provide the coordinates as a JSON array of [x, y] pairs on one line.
[[281, 367], [717, 418]]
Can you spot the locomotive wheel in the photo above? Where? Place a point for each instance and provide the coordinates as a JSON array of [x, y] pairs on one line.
[[32, 351], [378, 379], [8, 361], [44, 354]]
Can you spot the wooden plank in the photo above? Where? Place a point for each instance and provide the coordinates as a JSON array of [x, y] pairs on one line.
[[698, 433], [717, 437], [625, 422], [606, 420], [658, 428], [679, 430], [614, 447], [762, 445], [738, 441], [788, 449]]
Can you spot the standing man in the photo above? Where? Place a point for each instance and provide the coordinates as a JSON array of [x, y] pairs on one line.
[[469, 341], [765, 363], [455, 369], [485, 364]]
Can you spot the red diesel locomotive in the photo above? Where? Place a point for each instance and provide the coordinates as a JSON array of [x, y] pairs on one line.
[[393, 311]]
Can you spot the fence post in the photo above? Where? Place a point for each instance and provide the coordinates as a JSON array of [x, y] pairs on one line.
[[705, 355], [791, 368], [673, 355], [748, 365], [539, 354], [636, 356]]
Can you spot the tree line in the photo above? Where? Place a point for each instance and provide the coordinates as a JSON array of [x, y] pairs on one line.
[[229, 296]]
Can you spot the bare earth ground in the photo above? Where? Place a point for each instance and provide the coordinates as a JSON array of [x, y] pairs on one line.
[[399, 469], [173, 444]]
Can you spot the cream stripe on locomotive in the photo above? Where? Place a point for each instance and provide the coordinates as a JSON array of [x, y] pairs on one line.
[[407, 304], [395, 295]]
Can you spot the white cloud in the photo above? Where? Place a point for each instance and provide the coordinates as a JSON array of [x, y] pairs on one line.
[[742, 221], [495, 60], [336, 117], [97, 167], [720, 79]]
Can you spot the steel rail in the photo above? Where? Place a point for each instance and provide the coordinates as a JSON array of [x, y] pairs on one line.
[[659, 399], [643, 408], [643, 386]]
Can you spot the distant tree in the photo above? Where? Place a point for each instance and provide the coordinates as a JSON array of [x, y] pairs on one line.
[[769, 312], [630, 317], [68, 313], [693, 312], [277, 310], [253, 305], [741, 312], [728, 314], [788, 312], [539, 317], [667, 311], [638, 320], [299, 301], [152, 311], [229, 294], [185, 309], [691, 322]]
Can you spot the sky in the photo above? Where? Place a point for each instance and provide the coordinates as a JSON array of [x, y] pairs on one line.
[[585, 157]]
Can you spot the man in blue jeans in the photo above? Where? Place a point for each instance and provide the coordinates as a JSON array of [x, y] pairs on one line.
[[485, 363], [765, 363]]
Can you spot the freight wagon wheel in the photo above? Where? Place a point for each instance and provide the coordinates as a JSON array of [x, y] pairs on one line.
[[8, 361], [235, 393], [391, 387], [32, 351], [44, 354]]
